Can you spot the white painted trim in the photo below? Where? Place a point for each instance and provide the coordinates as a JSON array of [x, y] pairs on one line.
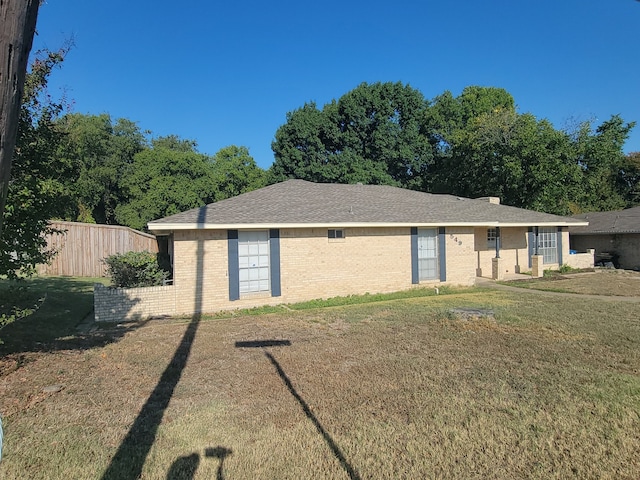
[[168, 227]]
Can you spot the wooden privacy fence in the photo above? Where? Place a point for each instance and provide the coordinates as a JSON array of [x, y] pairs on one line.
[[82, 246]]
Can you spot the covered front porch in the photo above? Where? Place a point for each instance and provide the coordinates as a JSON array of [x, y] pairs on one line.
[[508, 252]]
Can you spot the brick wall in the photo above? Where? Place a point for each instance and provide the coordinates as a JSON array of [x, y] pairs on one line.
[[625, 245], [461, 258], [367, 260], [581, 260], [200, 271], [118, 304]]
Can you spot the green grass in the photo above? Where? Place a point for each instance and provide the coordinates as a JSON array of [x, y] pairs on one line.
[[341, 301], [62, 303], [397, 388], [370, 298]]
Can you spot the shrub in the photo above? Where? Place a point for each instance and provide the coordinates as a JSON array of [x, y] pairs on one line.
[[135, 269], [564, 268]]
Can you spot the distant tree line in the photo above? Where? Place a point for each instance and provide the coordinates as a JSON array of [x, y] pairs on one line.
[[92, 168], [475, 144], [120, 177]]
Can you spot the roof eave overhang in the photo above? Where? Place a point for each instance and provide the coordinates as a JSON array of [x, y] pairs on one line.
[[606, 232], [170, 227]]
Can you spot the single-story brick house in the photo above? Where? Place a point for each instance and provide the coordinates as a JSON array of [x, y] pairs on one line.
[[298, 240], [615, 236]]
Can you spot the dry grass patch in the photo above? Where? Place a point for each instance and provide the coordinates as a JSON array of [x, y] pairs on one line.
[[624, 283], [550, 388]]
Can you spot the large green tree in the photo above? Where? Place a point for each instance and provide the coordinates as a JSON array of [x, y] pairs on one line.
[[162, 181], [236, 172], [373, 134], [484, 146], [448, 120], [524, 161], [172, 176], [601, 157], [38, 188], [629, 179], [100, 149]]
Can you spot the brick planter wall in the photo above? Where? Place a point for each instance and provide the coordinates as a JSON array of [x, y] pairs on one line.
[[119, 304], [581, 260]]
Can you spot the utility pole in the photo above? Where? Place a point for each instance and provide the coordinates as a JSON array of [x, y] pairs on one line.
[[17, 28]]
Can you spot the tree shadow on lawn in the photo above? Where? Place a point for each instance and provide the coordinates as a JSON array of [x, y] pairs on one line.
[[63, 304]]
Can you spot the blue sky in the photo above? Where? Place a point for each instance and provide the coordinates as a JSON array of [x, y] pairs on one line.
[[227, 73]]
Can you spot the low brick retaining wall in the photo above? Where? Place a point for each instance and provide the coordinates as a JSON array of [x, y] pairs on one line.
[[581, 260], [119, 304]]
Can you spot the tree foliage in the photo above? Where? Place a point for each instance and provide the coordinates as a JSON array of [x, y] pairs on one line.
[[236, 172], [171, 177], [600, 155], [475, 144], [121, 178], [161, 181], [629, 178], [100, 151], [372, 134], [38, 189]]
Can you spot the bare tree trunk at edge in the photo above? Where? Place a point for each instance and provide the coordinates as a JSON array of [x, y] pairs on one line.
[[17, 27]]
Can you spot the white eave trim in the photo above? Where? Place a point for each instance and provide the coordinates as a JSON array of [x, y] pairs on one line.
[[167, 227]]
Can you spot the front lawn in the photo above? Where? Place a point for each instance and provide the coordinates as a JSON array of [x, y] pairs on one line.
[[624, 283], [547, 388], [54, 307]]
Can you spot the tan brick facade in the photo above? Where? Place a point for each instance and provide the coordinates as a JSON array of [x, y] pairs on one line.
[[625, 247], [582, 260], [366, 260], [118, 304]]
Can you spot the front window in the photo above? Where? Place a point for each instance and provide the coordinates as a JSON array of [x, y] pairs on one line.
[[253, 261], [335, 234], [548, 245], [428, 254], [492, 234]]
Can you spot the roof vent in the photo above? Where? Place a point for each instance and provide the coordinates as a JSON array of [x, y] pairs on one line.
[[494, 200]]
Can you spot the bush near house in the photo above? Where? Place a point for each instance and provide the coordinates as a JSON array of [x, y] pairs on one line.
[[135, 269]]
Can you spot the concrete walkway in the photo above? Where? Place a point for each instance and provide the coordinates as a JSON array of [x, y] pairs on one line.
[[483, 282]]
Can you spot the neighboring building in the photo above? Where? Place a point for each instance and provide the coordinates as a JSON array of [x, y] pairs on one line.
[[615, 236], [297, 240]]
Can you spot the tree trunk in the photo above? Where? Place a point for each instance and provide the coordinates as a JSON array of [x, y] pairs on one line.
[[18, 25]]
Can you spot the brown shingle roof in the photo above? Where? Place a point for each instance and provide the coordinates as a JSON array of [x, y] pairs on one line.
[[298, 202], [619, 221]]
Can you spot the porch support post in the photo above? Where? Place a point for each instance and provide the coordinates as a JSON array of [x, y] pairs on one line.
[[537, 266], [497, 273]]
